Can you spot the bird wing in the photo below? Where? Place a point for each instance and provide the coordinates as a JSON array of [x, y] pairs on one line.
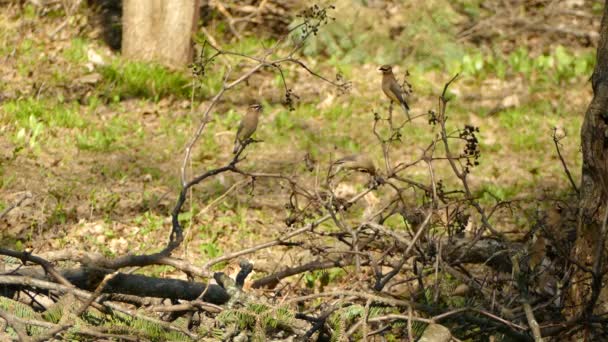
[[238, 132], [346, 159], [396, 89], [248, 126], [359, 162]]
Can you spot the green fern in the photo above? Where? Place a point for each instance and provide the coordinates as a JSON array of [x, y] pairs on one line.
[[375, 311], [11, 260], [18, 309], [22, 311], [218, 333], [418, 328], [336, 322], [93, 317], [351, 312], [53, 313], [257, 318], [143, 328], [258, 308], [259, 332], [283, 317]]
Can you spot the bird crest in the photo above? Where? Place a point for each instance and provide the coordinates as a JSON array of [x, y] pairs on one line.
[[256, 106], [386, 68]]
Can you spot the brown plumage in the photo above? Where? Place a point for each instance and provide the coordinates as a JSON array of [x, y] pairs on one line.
[[248, 125], [392, 89], [358, 162]]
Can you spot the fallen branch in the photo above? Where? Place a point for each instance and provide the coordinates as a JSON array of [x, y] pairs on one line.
[[87, 278]]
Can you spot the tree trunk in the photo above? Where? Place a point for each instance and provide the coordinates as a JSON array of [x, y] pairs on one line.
[[593, 190], [159, 30]]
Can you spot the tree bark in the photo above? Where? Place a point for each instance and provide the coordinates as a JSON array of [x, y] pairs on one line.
[[159, 30], [87, 278], [594, 145]]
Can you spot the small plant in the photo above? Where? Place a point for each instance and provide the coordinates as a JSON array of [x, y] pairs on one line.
[[34, 120], [96, 140], [257, 318], [149, 222], [109, 136], [77, 51], [323, 277], [559, 65], [210, 249], [29, 135]]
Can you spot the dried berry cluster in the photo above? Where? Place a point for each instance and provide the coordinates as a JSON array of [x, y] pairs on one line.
[[201, 61], [314, 17], [289, 99], [457, 226], [471, 150], [433, 119]]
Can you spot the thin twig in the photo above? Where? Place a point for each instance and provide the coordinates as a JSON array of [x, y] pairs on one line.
[[532, 322], [282, 239], [15, 205], [556, 140]]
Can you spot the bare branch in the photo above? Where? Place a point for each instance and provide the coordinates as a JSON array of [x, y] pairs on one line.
[[556, 140]]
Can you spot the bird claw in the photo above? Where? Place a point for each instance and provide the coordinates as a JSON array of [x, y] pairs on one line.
[[375, 182]]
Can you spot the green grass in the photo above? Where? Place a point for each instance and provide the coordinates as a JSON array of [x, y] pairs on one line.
[[77, 51], [529, 126], [29, 53], [210, 249], [491, 193], [47, 112], [32, 120], [35, 122], [559, 65], [116, 133], [149, 222], [124, 80]]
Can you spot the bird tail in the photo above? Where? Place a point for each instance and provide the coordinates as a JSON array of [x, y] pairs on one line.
[[236, 146], [406, 109]]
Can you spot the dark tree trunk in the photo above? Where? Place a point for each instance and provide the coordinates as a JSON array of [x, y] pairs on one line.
[[593, 189]]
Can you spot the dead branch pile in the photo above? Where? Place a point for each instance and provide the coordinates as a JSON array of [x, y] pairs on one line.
[[259, 16]]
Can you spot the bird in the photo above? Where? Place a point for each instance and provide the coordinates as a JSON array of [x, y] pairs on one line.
[[392, 89], [358, 162], [248, 125]]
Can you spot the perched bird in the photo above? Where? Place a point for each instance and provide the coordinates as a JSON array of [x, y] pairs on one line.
[[248, 125], [392, 89], [358, 162]]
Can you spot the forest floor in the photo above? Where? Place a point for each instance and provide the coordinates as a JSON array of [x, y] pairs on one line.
[[96, 142]]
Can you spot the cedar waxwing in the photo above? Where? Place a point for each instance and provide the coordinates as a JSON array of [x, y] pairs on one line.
[[248, 125], [358, 162], [392, 89]]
